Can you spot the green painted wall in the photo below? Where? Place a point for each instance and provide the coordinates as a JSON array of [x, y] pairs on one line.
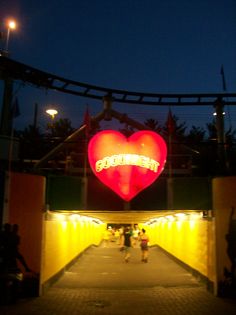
[[192, 193], [66, 192], [152, 198]]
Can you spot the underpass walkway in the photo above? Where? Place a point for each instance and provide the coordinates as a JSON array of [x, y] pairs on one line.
[[101, 282]]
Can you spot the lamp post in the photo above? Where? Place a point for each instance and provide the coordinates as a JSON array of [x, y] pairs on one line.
[[11, 25], [52, 113], [6, 117], [6, 122]]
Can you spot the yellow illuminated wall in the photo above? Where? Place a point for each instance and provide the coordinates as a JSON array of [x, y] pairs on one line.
[[189, 238], [64, 238]]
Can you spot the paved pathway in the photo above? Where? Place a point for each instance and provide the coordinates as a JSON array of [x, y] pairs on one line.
[[100, 282]]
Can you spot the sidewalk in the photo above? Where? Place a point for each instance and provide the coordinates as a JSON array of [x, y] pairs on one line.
[[100, 282]]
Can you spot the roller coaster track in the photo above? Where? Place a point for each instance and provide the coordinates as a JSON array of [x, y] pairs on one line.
[[21, 72]]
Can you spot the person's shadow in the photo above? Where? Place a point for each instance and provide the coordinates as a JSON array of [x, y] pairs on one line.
[[228, 285]]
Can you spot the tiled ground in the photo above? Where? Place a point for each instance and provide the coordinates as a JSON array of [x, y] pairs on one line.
[[101, 282]]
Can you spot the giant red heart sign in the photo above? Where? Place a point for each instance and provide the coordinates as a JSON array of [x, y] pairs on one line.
[[127, 165]]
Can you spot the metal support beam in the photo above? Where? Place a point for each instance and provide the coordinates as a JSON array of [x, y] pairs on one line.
[[219, 107]]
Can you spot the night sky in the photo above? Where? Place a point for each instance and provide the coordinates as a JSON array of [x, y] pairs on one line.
[[158, 46]]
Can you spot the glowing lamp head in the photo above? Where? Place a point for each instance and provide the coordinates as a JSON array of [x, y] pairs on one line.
[[52, 112], [127, 165], [11, 24]]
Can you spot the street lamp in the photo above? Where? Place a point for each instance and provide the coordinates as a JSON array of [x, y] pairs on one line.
[[215, 113], [5, 123], [11, 25], [52, 112]]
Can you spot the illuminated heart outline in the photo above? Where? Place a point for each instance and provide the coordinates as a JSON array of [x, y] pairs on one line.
[[110, 146]]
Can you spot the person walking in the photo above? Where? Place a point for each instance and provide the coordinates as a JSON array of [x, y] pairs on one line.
[[136, 232], [144, 240], [106, 237], [127, 243]]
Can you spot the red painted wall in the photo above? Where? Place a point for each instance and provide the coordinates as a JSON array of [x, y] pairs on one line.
[[26, 204]]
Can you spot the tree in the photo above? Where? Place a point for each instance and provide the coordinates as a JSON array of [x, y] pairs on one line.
[[174, 127], [153, 124], [204, 144], [195, 136], [212, 131], [60, 129], [32, 145]]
